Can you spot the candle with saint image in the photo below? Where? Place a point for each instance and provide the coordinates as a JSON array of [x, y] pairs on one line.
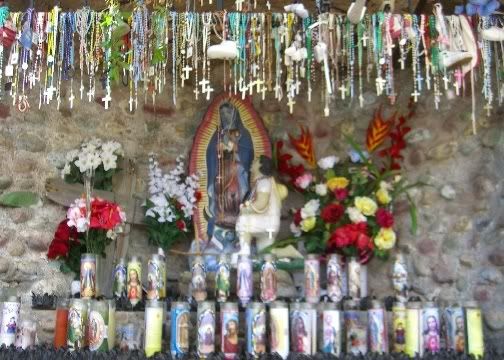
[[279, 328], [229, 330], [312, 278]]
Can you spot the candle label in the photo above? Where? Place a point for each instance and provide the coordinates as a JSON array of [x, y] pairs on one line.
[[156, 287], [312, 280], [88, 276], [256, 330], [244, 280], [474, 339], [378, 338], [97, 331], [431, 329], [356, 331], [399, 328], [206, 332], [222, 282], [180, 321], [198, 281], [268, 282], [128, 337], [119, 287], [413, 336], [134, 282], [455, 328], [336, 279], [10, 319], [76, 326], [301, 332], [331, 332], [230, 329], [153, 330], [279, 327]]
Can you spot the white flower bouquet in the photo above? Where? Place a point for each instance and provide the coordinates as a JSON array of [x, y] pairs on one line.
[[94, 157], [171, 203]]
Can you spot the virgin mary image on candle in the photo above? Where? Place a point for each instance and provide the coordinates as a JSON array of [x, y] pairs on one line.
[[229, 157], [331, 326], [244, 279], [300, 340], [88, 277]]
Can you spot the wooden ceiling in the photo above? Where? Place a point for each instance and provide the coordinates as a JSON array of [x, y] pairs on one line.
[[418, 6]]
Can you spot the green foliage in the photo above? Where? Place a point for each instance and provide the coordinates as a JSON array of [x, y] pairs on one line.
[[19, 199], [102, 179], [72, 262]]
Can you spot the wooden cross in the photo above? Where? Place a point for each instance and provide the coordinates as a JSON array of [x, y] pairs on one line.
[[107, 99], [187, 69], [128, 193], [291, 104]]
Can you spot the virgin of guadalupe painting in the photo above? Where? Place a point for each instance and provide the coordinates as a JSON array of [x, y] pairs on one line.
[[226, 143]]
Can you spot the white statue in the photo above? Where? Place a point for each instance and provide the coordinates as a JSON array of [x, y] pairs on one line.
[[260, 214]]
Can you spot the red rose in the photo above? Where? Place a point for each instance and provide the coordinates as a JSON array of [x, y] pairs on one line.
[[340, 194], [181, 225], [332, 213], [350, 235], [384, 218], [363, 242], [297, 217], [341, 238], [60, 245]]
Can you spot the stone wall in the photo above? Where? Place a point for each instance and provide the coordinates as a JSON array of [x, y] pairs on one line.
[[458, 253]]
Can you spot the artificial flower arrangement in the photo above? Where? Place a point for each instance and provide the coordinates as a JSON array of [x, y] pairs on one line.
[[95, 158], [171, 203], [79, 233], [349, 202]]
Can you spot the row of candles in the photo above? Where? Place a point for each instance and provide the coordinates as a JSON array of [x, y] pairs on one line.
[[342, 279], [300, 327]]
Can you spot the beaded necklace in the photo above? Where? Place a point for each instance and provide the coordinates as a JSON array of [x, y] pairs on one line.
[[139, 35], [4, 13]]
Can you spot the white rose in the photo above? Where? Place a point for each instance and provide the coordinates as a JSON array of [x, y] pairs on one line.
[[321, 189], [328, 162], [310, 209], [355, 215]]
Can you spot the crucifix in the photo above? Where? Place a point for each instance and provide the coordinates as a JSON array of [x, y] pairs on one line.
[[380, 83], [203, 83], [208, 91], [268, 5], [427, 80], [343, 91], [297, 84], [239, 5], [291, 104], [402, 60], [259, 85], [446, 81], [187, 69], [415, 95], [365, 38], [107, 99]]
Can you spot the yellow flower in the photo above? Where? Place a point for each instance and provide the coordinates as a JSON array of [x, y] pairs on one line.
[[337, 183], [383, 196], [366, 205], [386, 239], [308, 224]]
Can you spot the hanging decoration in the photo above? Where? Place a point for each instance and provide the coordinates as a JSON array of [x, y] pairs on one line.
[[281, 54]]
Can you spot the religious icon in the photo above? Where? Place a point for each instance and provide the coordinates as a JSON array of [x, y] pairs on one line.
[[378, 341], [356, 332], [312, 279], [331, 332], [400, 277], [230, 336], [198, 281], [226, 143], [88, 276], [259, 333], [300, 333], [120, 279], [222, 282], [96, 330], [431, 328], [206, 332], [75, 328], [244, 283], [134, 287], [268, 280], [336, 279]]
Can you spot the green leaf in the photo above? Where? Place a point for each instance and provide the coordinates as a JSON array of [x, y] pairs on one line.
[[413, 215], [19, 199]]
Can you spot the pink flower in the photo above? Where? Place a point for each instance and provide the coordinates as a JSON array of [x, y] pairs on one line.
[[340, 194], [304, 181]]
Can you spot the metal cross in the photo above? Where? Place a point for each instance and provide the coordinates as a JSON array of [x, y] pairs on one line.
[[415, 95], [446, 81], [259, 85], [203, 83], [107, 99], [208, 91], [291, 104], [402, 60], [187, 69]]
